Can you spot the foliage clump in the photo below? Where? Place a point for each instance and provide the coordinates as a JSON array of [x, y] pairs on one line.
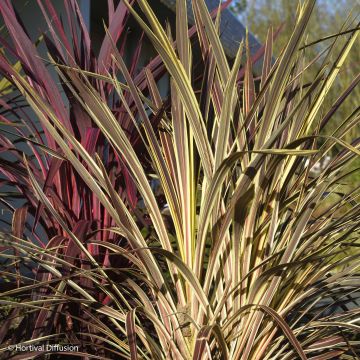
[[185, 227]]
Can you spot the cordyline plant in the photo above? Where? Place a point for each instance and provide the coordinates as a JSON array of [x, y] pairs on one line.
[[239, 250], [67, 48]]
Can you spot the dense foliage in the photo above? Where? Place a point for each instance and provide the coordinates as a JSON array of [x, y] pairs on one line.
[[187, 227]]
